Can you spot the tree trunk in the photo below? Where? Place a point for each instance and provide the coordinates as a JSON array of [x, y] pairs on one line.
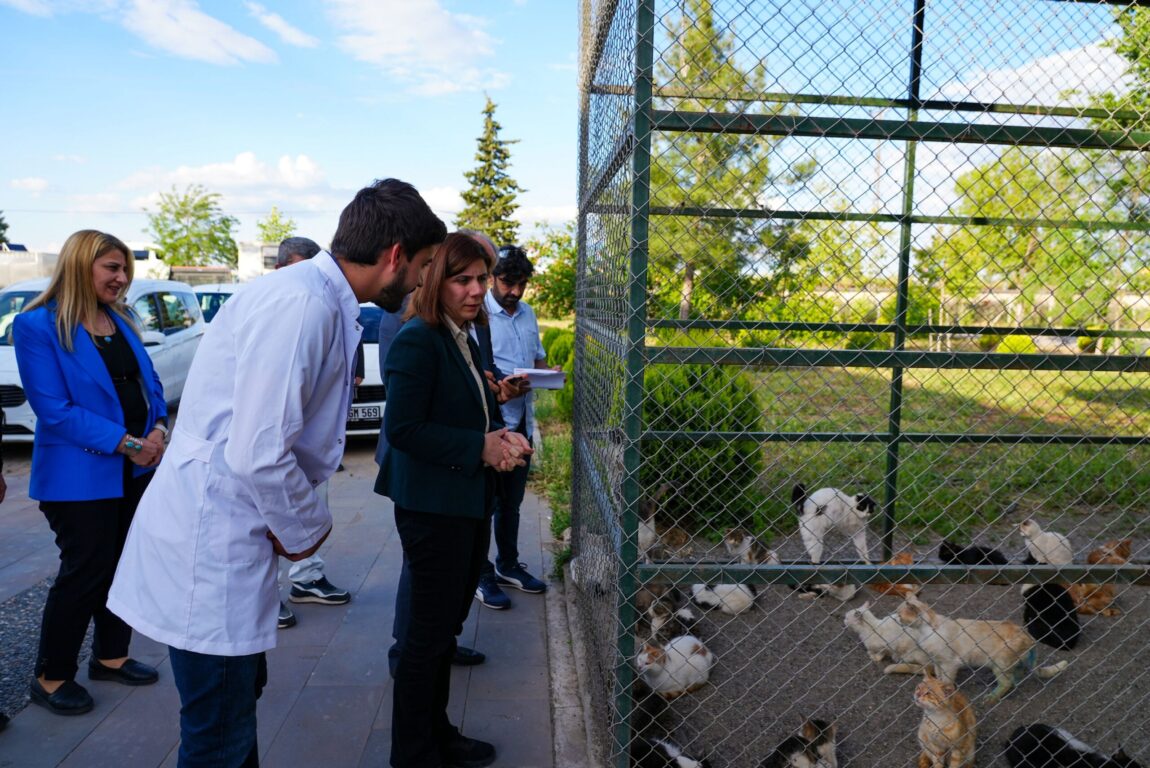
[[688, 290]]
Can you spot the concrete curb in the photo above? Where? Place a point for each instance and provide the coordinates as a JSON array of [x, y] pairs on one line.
[[569, 725]]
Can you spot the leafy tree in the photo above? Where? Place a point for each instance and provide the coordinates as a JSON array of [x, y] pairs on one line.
[[707, 266], [490, 197], [191, 230], [553, 287], [276, 227], [3, 229]]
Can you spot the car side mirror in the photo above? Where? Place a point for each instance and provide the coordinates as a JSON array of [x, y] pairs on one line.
[[152, 338]]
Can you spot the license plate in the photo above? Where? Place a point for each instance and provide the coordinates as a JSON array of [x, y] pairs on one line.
[[363, 412]]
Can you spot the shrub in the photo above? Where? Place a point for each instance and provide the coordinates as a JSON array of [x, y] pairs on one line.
[[868, 340], [549, 335], [565, 398], [562, 349], [1094, 342], [1017, 344], [716, 483], [989, 341]]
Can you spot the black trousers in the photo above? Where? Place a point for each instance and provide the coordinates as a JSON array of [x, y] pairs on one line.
[[444, 555], [90, 536]]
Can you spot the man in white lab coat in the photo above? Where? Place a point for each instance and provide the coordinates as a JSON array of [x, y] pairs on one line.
[[261, 424]]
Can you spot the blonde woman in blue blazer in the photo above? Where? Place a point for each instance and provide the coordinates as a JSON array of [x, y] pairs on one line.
[[101, 419]]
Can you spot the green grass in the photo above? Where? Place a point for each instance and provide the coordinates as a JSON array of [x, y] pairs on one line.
[[956, 489]]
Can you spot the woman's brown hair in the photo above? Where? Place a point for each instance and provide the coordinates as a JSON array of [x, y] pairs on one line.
[[455, 254]]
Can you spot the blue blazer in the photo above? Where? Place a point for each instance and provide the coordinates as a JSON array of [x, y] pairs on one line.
[[79, 421], [434, 426]]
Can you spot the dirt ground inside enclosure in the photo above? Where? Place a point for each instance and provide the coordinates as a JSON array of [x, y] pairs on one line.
[[790, 658]]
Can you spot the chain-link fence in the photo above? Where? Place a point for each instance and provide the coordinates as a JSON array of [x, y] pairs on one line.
[[863, 281]]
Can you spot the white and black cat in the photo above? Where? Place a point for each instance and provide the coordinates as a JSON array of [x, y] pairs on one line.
[[1051, 615], [812, 747], [1043, 746], [829, 509], [974, 554], [661, 753]]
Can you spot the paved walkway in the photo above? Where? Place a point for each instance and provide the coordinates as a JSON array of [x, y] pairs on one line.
[[328, 701]]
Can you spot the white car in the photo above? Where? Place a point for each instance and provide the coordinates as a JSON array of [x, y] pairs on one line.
[[365, 416], [171, 325]]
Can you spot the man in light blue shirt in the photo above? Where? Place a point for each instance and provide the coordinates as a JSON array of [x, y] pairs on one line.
[[515, 343]]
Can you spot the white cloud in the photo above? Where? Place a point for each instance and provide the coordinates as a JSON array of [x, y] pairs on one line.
[[32, 184], [34, 7], [1089, 69], [70, 159], [445, 201], [181, 28], [244, 172], [276, 23], [418, 43]]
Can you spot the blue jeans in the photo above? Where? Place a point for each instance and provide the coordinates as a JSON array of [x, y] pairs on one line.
[[218, 708]]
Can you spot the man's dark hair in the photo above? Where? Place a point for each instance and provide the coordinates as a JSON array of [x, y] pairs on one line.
[[305, 247], [390, 211], [513, 264]]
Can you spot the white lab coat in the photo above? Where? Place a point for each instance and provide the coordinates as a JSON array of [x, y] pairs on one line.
[[261, 424]]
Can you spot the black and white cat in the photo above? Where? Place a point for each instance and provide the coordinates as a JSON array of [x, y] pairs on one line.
[[1051, 616], [812, 747], [829, 509], [661, 753], [1043, 746], [949, 552]]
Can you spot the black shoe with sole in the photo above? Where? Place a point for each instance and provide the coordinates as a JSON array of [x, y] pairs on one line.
[[69, 699], [467, 657], [462, 752], [131, 673]]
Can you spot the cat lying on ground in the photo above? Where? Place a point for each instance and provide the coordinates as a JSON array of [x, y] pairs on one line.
[[1041, 746], [812, 747]]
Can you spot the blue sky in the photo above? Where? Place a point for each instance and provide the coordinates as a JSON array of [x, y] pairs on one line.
[[294, 104]]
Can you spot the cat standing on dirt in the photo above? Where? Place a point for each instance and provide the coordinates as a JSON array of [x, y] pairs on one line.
[[1041, 746], [947, 732], [1003, 646], [829, 509], [812, 747], [1047, 547]]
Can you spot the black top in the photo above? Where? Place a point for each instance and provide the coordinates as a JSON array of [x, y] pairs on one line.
[[124, 369]]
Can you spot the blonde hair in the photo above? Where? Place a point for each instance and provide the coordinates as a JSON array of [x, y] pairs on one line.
[[73, 288]]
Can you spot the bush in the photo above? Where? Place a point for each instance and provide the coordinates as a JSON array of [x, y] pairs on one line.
[[868, 340], [549, 335], [1094, 343], [562, 349], [989, 341], [1017, 344], [565, 398], [716, 483]]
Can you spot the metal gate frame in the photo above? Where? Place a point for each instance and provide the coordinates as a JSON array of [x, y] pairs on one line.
[[631, 153]]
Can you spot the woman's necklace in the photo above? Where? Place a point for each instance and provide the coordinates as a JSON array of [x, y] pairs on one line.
[[106, 323]]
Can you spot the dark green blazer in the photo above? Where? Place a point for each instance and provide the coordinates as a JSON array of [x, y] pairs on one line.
[[434, 426]]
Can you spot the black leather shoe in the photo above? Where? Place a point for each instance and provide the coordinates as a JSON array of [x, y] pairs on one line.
[[69, 699], [131, 673], [467, 657], [462, 752]]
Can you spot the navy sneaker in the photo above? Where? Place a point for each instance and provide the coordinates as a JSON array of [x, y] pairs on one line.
[[319, 591], [489, 593], [519, 578], [286, 619]]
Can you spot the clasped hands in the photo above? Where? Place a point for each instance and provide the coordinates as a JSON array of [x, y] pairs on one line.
[[151, 449], [505, 450]]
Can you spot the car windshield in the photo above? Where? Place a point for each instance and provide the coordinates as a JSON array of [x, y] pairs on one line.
[[210, 304], [12, 303], [369, 319]]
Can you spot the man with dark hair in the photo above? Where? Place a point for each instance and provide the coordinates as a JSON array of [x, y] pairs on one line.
[[515, 343], [262, 425], [309, 584]]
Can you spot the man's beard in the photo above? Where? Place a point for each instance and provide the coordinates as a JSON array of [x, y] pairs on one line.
[[390, 299]]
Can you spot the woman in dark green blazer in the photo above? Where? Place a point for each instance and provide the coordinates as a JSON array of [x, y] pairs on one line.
[[444, 442]]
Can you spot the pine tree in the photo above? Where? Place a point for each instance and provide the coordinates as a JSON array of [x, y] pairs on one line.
[[3, 229], [490, 198]]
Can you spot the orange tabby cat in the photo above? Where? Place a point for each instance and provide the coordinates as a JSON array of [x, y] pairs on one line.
[[947, 732], [898, 590], [1093, 599]]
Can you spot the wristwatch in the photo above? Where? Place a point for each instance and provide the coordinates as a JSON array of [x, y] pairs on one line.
[[163, 428]]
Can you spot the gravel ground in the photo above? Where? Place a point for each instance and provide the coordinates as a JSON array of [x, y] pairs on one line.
[[790, 658]]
